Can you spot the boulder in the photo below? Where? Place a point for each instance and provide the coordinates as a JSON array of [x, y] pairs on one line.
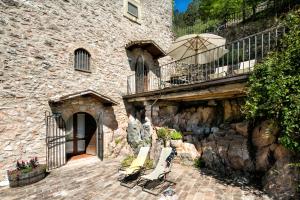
[[281, 181], [265, 134], [169, 110], [178, 144], [193, 121], [211, 158], [206, 114], [241, 128], [239, 156], [191, 150], [231, 110], [137, 136], [281, 153], [262, 159], [227, 151]]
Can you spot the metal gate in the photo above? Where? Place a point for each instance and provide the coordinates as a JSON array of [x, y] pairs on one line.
[[55, 140], [99, 136]]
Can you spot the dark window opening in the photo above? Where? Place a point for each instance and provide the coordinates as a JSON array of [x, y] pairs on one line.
[[82, 60], [133, 10]]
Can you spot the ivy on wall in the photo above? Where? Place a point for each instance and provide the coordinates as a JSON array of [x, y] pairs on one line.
[[274, 86]]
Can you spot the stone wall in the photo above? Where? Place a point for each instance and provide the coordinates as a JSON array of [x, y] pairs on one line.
[[231, 145], [37, 43]]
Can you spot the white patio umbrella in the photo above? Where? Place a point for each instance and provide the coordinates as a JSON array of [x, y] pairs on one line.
[[198, 48]]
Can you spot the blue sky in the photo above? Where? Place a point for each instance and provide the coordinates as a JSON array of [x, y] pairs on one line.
[[182, 5]]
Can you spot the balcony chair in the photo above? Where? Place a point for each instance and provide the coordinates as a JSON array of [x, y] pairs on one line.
[[219, 72], [245, 67]]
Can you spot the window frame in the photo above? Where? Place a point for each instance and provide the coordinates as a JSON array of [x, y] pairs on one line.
[[88, 61], [133, 5], [131, 16]]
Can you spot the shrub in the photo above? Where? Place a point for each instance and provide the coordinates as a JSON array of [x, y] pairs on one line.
[[199, 163], [163, 133], [149, 163], [274, 87], [176, 135], [127, 161]]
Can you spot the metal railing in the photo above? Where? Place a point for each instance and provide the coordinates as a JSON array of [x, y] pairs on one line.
[[231, 19], [232, 59]]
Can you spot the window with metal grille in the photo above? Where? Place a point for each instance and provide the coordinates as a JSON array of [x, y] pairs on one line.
[[82, 60], [133, 10]]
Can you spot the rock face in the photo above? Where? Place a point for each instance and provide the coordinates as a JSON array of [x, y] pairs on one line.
[[225, 152], [282, 180], [37, 44], [220, 136], [264, 134], [241, 128], [138, 134], [187, 152]]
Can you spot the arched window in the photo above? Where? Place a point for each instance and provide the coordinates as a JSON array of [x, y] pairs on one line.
[[82, 60]]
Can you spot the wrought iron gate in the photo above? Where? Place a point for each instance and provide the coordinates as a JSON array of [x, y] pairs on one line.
[[99, 135], [55, 140]]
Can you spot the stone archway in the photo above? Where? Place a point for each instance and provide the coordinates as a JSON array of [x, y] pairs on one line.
[[92, 104]]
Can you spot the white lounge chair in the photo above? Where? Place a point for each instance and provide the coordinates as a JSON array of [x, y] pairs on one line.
[[129, 175], [157, 177], [245, 67], [219, 73]]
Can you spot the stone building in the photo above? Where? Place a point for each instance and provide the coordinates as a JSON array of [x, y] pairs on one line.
[[71, 58]]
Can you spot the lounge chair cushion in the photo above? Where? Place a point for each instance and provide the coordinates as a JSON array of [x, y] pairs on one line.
[[137, 163], [161, 166]]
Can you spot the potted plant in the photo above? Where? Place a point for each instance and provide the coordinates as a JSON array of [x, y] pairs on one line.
[[26, 173], [176, 139], [163, 134]]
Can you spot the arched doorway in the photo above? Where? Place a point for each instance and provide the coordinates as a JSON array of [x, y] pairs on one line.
[[141, 75], [81, 130]]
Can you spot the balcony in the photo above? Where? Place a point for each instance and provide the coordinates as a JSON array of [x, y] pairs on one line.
[[233, 67]]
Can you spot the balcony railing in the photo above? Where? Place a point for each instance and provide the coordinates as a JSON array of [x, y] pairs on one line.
[[232, 19], [232, 59]]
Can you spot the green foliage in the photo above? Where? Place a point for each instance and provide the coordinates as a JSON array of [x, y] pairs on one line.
[[274, 87], [118, 141], [198, 27], [149, 164], [163, 133], [127, 161], [176, 135], [199, 163]]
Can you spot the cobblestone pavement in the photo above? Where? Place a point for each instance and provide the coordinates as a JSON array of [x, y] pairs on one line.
[[90, 178]]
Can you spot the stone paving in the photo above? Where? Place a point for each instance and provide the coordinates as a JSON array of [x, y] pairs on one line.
[[90, 178]]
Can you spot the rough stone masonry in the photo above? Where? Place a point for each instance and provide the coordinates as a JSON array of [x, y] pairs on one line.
[[37, 44]]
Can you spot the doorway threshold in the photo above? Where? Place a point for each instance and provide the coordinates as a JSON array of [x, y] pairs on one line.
[[81, 156]]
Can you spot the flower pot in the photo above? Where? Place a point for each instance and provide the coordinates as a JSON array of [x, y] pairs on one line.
[[23, 179]]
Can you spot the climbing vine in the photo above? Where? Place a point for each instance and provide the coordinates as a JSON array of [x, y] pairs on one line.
[[274, 87]]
